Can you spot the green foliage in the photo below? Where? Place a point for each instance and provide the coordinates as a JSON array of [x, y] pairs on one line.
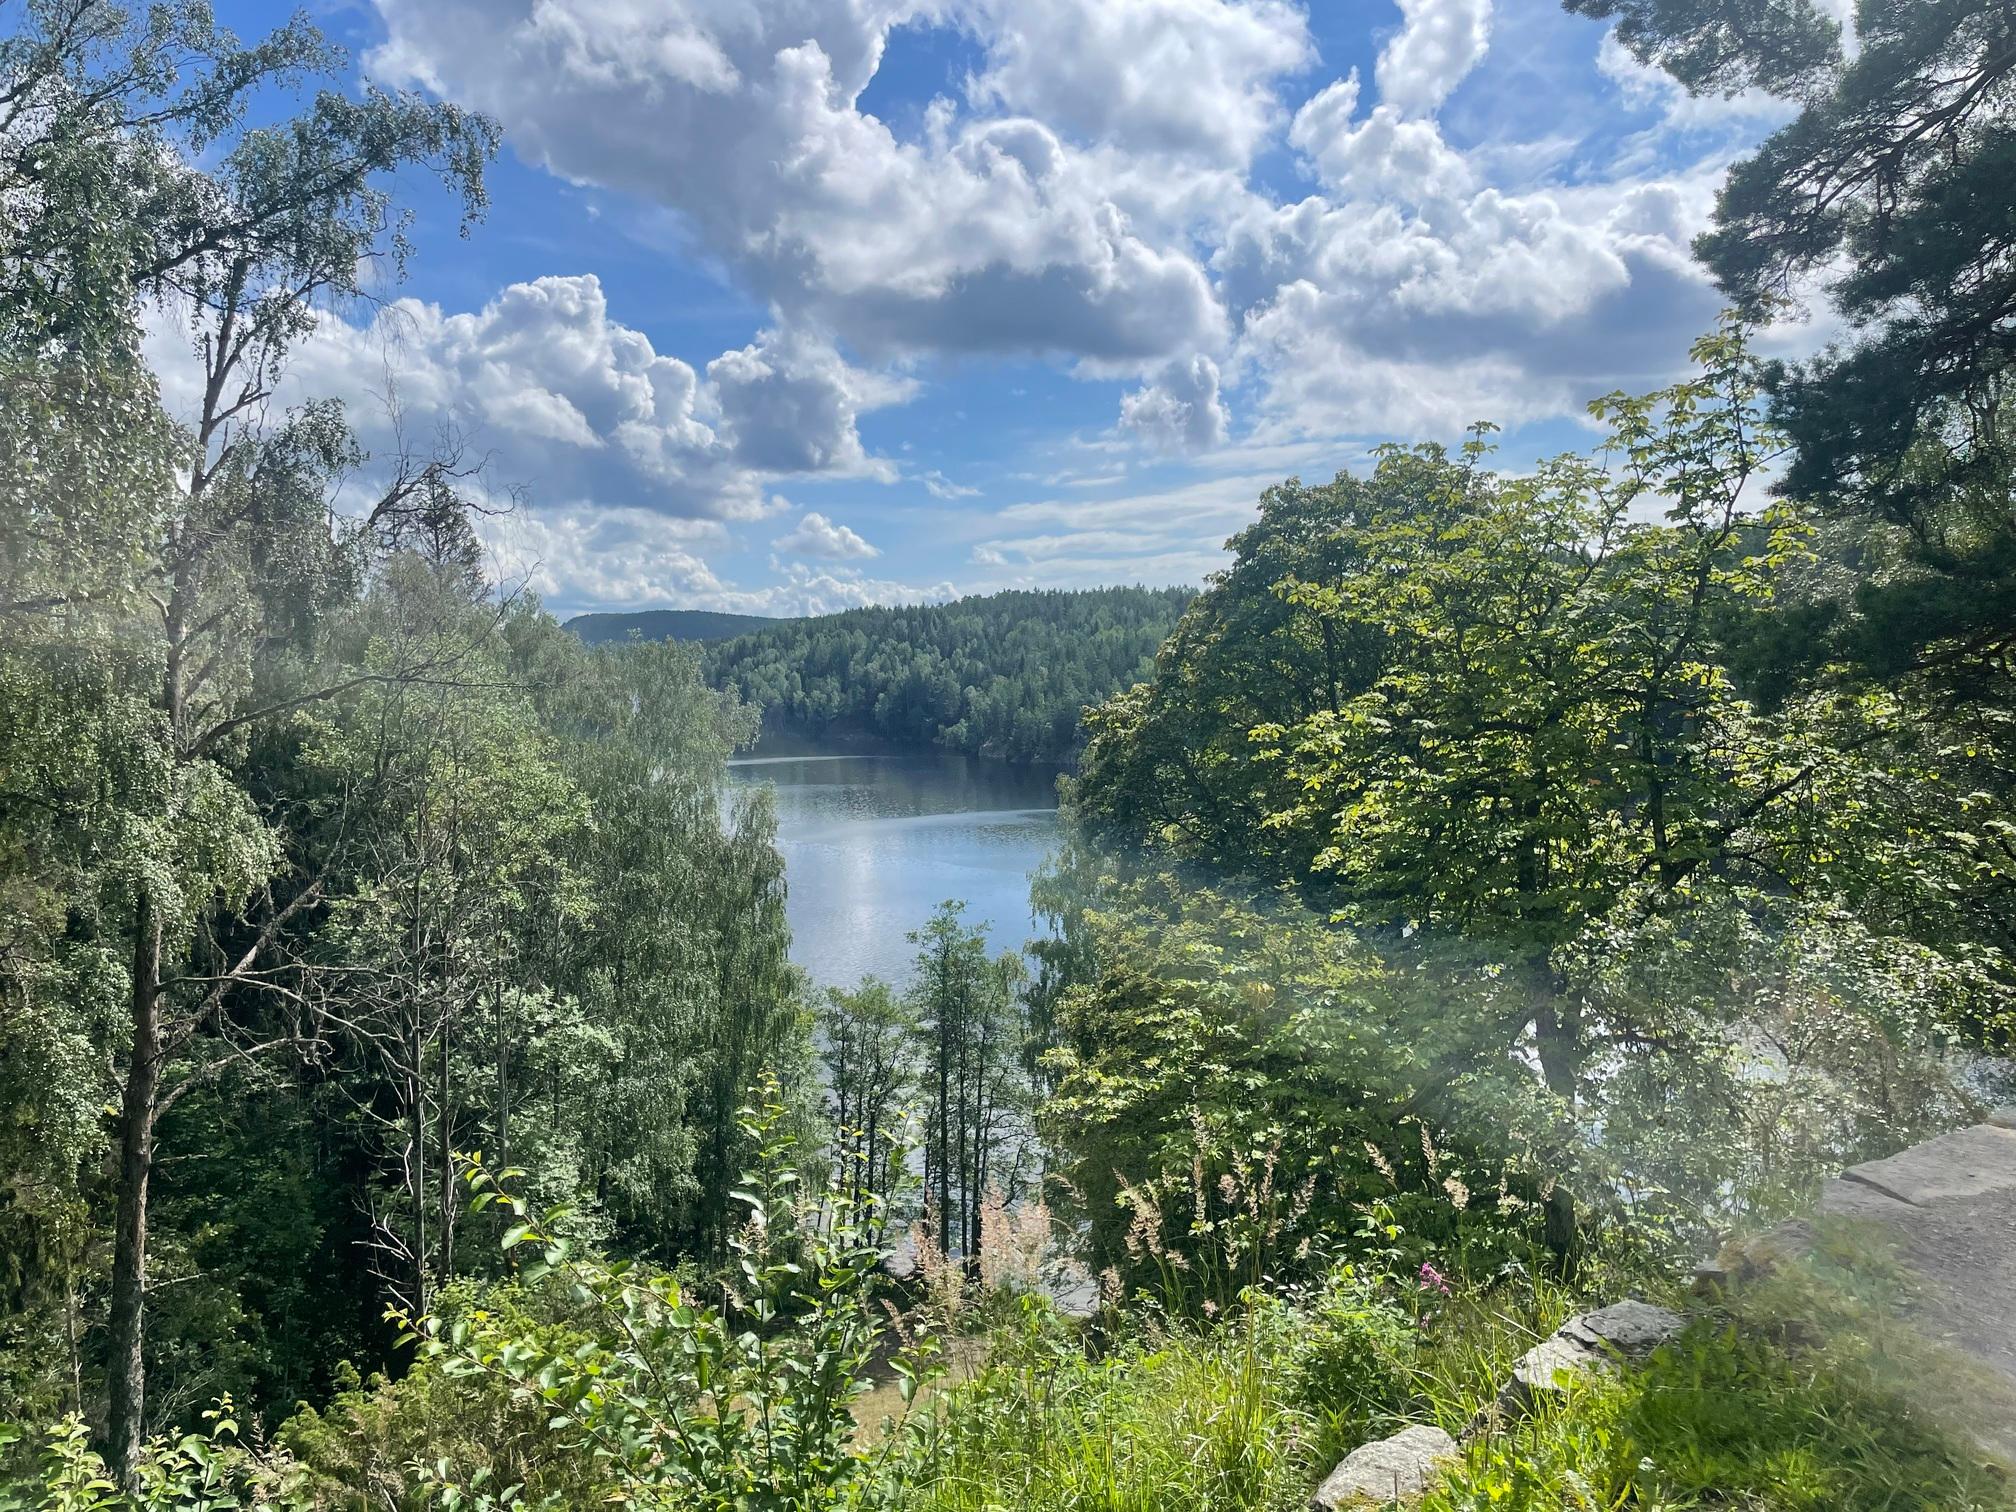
[[1726, 46], [1347, 1354], [673, 1402], [1241, 1083], [1004, 675], [970, 1042], [1521, 775], [1721, 1416], [871, 1042], [1885, 192], [1185, 1421], [199, 1472]]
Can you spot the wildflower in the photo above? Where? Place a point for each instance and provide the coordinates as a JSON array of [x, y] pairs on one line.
[[1381, 1163], [1433, 1280]]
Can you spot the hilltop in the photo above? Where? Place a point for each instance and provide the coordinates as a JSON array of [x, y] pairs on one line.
[[668, 624]]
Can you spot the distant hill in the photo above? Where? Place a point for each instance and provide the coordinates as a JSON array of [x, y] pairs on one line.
[[1003, 675], [668, 624]]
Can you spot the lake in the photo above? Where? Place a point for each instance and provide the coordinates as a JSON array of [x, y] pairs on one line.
[[873, 842]]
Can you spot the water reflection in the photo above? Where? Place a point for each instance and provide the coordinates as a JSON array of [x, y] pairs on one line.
[[873, 842]]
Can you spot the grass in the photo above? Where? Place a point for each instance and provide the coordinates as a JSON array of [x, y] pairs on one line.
[[1804, 1395], [1180, 1421]]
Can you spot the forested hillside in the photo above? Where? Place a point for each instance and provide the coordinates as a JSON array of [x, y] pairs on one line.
[[665, 624], [1005, 675]]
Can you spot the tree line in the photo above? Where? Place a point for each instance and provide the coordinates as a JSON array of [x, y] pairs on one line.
[[1006, 674]]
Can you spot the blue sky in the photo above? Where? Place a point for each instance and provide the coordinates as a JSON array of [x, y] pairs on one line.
[[785, 305]]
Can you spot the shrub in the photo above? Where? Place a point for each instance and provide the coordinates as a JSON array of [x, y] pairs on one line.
[[1346, 1355]]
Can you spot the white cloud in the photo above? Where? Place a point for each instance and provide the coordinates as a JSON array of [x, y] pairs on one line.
[[1437, 47], [1089, 196], [1164, 536], [1195, 78], [1179, 411], [570, 403], [586, 556], [941, 487], [816, 536], [1646, 86], [1415, 296], [809, 590], [987, 235]]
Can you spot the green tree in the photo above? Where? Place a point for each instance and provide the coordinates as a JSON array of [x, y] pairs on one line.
[[1887, 194], [870, 1042], [968, 1014], [1005, 674], [106, 209]]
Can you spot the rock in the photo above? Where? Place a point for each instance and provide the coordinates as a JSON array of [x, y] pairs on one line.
[[1842, 1198], [1392, 1469], [1633, 1328], [1967, 1163], [1587, 1343], [1546, 1368], [2003, 1118]]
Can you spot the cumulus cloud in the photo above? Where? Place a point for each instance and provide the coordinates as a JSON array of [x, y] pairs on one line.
[[809, 590], [1435, 50], [816, 536], [583, 556], [1180, 411], [1414, 295], [1086, 193], [1090, 197], [987, 235], [571, 403], [1193, 78], [1167, 535]]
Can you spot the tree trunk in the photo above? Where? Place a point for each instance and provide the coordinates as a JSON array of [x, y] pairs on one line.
[[126, 1367], [504, 1048], [446, 1127], [1557, 1033], [1556, 1029], [944, 1140]]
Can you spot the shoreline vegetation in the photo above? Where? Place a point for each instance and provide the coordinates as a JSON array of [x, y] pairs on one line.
[[1496, 888]]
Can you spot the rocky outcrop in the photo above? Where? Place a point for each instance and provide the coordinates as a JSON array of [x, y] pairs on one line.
[[1587, 1343], [1400, 1468], [1946, 1209], [1392, 1469]]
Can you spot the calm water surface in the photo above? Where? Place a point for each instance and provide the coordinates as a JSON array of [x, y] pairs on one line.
[[873, 843]]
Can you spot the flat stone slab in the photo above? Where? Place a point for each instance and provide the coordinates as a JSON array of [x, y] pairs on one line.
[[1842, 1198], [1949, 1207], [1974, 1162], [1388, 1470]]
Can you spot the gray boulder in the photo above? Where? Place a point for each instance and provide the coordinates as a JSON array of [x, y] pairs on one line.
[[1392, 1469], [1632, 1328], [1587, 1343]]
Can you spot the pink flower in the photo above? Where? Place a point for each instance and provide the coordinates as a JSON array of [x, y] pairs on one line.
[[1433, 1280]]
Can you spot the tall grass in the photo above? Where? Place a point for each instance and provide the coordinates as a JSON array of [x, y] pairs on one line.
[[1799, 1397]]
